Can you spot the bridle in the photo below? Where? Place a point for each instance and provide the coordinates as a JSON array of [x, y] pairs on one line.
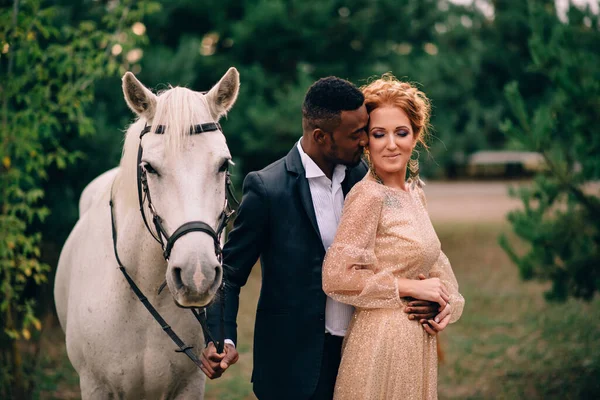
[[167, 241], [194, 226]]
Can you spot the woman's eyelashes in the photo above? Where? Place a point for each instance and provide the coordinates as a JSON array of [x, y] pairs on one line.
[[402, 132]]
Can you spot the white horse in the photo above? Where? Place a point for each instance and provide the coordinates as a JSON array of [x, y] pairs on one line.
[[117, 348]]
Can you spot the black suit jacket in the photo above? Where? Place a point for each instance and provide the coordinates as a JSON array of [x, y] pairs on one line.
[[276, 221]]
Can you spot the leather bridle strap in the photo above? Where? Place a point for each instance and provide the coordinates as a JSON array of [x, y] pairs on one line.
[[201, 317], [142, 186], [183, 348], [194, 129], [194, 226]]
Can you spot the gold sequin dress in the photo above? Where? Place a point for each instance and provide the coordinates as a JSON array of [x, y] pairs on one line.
[[385, 234]]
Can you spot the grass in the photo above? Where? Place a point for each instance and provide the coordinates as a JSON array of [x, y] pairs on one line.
[[509, 344], [56, 378]]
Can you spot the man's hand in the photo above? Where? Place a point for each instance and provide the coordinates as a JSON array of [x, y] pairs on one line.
[[214, 364], [439, 323], [422, 309]]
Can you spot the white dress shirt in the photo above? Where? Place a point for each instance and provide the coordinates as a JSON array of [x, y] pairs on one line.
[[328, 202]]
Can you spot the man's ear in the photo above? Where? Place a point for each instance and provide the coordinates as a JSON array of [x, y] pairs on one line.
[[320, 136]]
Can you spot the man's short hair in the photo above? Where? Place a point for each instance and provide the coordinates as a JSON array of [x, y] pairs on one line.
[[326, 99]]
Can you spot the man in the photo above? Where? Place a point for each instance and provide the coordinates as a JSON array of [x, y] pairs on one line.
[[288, 217]]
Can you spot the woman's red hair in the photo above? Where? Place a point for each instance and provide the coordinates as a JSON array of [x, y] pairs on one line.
[[388, 91]]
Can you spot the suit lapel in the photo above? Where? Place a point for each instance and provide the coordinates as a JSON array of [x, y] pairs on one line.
[[294, 165], [346, 183], [353, 175], [306, 199]]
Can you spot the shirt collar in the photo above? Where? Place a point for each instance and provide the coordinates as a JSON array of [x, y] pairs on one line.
[[312, 170]]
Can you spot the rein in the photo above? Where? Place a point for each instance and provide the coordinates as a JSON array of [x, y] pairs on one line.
[[169, 241]]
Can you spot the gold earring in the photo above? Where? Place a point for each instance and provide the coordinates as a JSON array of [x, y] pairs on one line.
[[367, 154], [413, 172]]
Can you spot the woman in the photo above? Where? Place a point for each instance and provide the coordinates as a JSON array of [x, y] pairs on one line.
[[384, 249]]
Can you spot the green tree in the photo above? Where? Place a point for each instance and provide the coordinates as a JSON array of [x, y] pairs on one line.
[[280, 47], [561, 217], [48, 72], [461, 58]]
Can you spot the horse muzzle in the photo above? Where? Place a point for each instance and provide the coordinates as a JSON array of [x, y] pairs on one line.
[[194, 272], [196, 287]]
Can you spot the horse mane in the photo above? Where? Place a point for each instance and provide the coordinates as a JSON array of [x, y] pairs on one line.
[[177, 109]]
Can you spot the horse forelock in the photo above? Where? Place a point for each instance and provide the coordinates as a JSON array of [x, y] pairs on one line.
[[177, 109]]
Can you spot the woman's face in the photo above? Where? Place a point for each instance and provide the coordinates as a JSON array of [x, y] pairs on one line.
[[391, 140]]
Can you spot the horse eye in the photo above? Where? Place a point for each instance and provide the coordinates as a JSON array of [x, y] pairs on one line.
[[225, 166], [149, 169]]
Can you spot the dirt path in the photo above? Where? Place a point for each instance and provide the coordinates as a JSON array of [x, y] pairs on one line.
[[469, 202]]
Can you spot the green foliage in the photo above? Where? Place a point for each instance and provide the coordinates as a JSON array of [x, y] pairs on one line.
[[48, 71], [280, 47], [461, 58], [561, 215]]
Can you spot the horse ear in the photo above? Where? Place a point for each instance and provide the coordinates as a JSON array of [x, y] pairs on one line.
[[224, 94], [141, 100]]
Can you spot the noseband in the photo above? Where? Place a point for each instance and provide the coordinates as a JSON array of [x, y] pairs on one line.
[[169, 240]]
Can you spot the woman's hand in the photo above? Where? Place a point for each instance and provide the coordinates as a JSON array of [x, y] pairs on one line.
[[431, 289]]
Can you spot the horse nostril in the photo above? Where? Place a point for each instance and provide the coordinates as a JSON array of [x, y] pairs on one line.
[[177, 278], [218, 279], [218, 273]]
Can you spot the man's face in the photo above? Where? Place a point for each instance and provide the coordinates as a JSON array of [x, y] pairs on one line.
[[345, 144]]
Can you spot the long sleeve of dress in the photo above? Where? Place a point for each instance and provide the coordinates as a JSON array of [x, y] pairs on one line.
[[350, 271], [443, 270]]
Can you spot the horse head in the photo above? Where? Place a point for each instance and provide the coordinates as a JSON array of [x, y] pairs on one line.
[[183, 172]]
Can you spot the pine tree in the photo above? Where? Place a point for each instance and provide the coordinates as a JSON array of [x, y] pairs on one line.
[[561, 216]]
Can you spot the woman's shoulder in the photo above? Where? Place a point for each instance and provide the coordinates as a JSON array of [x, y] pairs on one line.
[[367, 189], [417, 189]]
